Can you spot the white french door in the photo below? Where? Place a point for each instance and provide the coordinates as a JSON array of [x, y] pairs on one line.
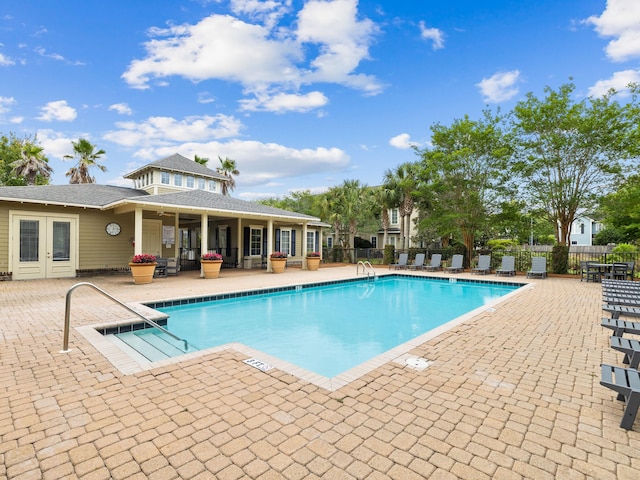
[[43, 246]]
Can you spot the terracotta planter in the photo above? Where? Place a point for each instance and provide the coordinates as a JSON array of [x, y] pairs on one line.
[[278, 264], [211, 268], [142, 272], [313, 263]]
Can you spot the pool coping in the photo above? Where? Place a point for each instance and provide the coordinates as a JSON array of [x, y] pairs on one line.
[[128, 361]]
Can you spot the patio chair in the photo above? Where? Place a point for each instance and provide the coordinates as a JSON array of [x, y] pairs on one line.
[[161, 268], [625, 381], [508, 268], [538, 267], [418, 262], [617, 310], [618, 272], [620, 327], [173, 266], [436, 263], [484, 265], [456, 264], [630, 270], [402, 262], [588, 272]]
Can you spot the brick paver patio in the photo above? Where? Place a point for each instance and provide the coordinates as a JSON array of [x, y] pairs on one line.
[[512, 393]]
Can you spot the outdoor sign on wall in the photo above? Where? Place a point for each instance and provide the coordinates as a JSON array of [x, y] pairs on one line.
[[168, 235]]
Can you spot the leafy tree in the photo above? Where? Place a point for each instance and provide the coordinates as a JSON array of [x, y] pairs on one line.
[[87, 156], [569, 152], [385, 197], [32, 164], [620, 211], [228, 169], [403, 180], [609, 235], [463, 175], [302, 201], [201, 160], [21, 156]]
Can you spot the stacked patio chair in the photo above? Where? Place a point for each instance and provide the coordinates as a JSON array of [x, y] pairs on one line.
[[623, 298]]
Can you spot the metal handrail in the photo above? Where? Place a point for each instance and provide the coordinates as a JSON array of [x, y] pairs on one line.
[[366, 268], [67, 315]]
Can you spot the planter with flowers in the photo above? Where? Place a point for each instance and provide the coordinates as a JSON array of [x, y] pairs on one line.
[[278, 262], [142, 267], [211, 264], [313, 261]]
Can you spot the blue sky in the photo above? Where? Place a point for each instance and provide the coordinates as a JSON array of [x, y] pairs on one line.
[[302, 94]]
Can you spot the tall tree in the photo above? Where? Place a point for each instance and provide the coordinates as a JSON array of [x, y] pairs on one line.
[[201, 160], [463, 175], [228, 169], [385, 198], [620, 209], [87, 156], [403, 180], [32, 163], [570, 152]]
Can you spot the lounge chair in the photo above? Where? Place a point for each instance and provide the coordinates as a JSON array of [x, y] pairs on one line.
[[538, 267], [508, 268], [402, 262], [418, 262], [626, 382], [456, 264], [630, 348], [484, 265], [436, 261]]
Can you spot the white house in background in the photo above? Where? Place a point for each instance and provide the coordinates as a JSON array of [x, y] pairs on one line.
[[583, 229]]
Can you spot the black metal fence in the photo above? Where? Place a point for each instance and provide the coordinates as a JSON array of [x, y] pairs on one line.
[[522, 256]]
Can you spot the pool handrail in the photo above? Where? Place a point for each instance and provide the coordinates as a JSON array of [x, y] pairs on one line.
[[67, 316], [366, 268]]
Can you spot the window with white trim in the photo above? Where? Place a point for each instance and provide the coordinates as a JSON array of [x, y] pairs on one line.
[[311, 242], [256, 241], [374, 241], [212, 186], [190, 182], [201, 184], [285, 242], [177, 179], [329, 242], [394, 215], [164, 178]]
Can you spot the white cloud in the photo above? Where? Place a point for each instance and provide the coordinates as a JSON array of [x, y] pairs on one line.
[[260, 162], [402, 141], [58, 110], [620, 19], [619, 81], [6, 61], [283, 102], [16, 120], [55, 144], [158, 131], [499, 87], [6, 103], [326, 44], [121, 108], [434, 34], [43, 53]]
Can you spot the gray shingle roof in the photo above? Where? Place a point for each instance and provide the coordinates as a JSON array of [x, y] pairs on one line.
[[100, 196], [81, 195], [178, 163], [202, 199]]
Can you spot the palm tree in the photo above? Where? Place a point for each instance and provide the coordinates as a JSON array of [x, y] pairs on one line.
[[87, 157], [32, 163], [404, 181], [201, 160], [228, 168]]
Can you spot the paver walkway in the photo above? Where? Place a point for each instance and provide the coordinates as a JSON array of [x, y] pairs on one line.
[[512, 393]]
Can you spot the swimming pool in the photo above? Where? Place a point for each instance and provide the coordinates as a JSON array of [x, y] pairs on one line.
[[329, 329]]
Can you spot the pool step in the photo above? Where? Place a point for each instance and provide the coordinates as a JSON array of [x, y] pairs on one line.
[[152, 344]]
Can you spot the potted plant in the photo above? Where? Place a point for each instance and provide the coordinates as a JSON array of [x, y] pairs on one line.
[[313, 261], [142, 268], [278, 262], [211, 264]]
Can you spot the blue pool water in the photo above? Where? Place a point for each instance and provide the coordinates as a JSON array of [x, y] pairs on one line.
[[330, 329]]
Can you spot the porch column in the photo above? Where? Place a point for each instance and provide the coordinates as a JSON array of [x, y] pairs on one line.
[[304, 246], [269, 244], [240, 242], [137, 231], [319, 246], [204, 238], [176, 245]]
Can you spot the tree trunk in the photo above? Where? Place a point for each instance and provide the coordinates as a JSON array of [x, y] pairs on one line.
[[467, 238]]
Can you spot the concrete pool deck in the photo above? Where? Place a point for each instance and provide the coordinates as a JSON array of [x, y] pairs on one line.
[[511, 393]]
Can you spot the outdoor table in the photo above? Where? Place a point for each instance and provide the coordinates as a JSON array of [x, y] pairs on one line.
[[602, 268]]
